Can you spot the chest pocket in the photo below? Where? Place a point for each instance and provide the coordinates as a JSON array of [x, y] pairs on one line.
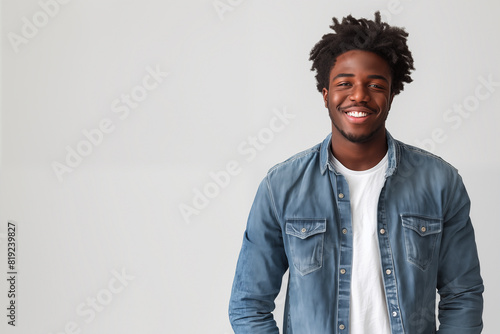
[[421, 235], [305, 239]]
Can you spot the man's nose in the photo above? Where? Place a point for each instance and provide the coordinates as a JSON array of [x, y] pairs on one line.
[[360, 94]]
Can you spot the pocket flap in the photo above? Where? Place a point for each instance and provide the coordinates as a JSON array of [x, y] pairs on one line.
[[422, 225], [304, 228]]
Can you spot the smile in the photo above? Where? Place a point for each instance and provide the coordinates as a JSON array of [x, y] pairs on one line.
[[357, 114]]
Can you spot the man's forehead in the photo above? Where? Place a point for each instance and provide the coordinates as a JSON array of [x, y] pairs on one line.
[[354, 62]]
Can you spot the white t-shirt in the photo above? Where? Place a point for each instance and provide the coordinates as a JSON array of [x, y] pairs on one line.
[[368, 307]]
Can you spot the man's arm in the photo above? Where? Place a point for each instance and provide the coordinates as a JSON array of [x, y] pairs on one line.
[[459, 281], [261, 265]]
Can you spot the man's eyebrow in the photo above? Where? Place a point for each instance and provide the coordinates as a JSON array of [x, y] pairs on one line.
[[343, 75], [376, 76]]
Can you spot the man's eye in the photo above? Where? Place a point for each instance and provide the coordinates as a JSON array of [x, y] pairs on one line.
[[377, 86], [343, 84]]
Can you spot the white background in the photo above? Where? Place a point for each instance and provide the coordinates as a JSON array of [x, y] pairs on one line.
[[118, 209]]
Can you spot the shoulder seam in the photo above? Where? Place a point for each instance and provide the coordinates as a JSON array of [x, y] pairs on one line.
[[424, 152], [270, 192], [299, 155]]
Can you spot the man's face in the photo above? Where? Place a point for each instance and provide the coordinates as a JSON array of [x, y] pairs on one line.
[[359, 95]]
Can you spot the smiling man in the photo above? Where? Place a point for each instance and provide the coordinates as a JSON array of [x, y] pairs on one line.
[[369, 227]]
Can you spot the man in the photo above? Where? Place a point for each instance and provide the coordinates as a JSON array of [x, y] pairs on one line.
[[368, 227]]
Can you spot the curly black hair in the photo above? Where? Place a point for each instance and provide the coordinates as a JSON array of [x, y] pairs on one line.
[[367, 35]]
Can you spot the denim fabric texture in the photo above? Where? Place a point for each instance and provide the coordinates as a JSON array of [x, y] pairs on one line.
[[301, 220]]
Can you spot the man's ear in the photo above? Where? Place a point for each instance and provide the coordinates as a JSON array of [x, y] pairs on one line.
[[325, 96]]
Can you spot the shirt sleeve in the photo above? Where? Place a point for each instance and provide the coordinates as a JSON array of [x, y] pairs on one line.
[[460, 285], [261, 265]]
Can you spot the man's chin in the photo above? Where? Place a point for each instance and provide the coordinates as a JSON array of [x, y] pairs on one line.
[[357, 138]]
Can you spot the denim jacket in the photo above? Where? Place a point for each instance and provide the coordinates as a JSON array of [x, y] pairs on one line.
[[301, 221]]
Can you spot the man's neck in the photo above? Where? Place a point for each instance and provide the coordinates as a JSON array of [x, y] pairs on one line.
[[359, 156]]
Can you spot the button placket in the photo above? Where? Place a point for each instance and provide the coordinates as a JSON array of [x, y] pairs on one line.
[[388, 273], [345, 243]]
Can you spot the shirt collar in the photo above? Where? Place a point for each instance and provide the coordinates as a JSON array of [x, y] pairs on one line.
[[326, 155]]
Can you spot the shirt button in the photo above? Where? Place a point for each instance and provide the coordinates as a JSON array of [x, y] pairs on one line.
[[342, 326], [341, 195], [303, 230], [423, 229], [394, 314], [388, 271], [382, 231], [344, 230], [342, 271]]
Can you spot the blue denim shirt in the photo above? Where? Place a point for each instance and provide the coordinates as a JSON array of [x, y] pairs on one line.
[[301, 220]]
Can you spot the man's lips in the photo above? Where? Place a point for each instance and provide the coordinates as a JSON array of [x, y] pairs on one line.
[[357, 111]]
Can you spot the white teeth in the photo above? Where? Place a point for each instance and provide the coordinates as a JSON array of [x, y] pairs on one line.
[[357, 114]]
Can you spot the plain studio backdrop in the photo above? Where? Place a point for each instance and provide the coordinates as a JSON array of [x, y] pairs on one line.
[[135, 133]]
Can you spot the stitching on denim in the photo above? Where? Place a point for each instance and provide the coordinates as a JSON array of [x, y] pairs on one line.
[[270, 192], [319, 229], [313, 150]]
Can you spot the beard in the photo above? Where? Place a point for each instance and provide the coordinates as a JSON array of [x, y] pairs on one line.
[[353, 138]]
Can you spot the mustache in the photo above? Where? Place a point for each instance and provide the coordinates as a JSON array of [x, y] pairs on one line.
[[342, 109]]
